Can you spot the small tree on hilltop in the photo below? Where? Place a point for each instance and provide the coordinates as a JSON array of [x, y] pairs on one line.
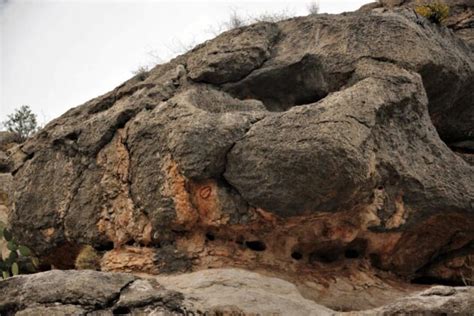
[[22, 122], [313, 7]]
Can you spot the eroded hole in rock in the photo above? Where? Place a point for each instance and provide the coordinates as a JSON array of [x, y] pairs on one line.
[[256, 245], [123, 310], [356, 249], [72, 136], [281, 88], [210, 236], [105, 247], [351, 253], [296, 255]]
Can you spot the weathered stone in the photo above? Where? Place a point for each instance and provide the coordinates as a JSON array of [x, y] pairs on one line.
[[316, 56], [233, 55], [6, 184], [437, 300], [224, 291], [460, 19], [82, 292], [8, 139], [59, 310], [311, 149], [85, 288], [211, 292], [149, 292], [4, 163]]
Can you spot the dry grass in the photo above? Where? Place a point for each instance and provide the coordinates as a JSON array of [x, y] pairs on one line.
[[436, 11]]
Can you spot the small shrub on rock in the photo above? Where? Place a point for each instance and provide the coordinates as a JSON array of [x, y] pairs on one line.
[[435, 12], [313, 8], [141, 72], [88, 259]]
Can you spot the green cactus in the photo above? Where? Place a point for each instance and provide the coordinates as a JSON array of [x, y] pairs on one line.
[[18, 259]]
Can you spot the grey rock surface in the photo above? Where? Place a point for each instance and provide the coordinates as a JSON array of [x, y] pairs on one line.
[[245, 292], [437, 300], [7, 139], [87, 288], [58, 292], [211, 292], [234, 56]]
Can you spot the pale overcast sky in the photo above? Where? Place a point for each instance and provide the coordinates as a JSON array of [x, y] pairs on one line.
[[55, 55]]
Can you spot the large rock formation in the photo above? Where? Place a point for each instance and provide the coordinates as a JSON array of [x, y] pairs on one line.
[[313, 149]]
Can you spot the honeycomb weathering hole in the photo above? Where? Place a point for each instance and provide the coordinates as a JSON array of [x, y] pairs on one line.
[[210, 236], [297, 255], [351, 253], [256, 245]]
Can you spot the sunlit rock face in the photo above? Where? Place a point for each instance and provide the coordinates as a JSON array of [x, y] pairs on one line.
[[314, 149]]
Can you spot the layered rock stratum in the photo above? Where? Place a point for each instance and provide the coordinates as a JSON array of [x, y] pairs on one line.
[[331, 155]]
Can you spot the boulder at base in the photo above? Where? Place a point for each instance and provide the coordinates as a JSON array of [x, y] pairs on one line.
[[211, 292]]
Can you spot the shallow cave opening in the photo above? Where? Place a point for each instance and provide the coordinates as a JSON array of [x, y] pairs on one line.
[[429, 280], [281, 88], [256, 245], [351, 253]]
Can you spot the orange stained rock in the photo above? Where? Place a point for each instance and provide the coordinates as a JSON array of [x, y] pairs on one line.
[[175, 187], [130, 259], [206, 200], [119, 219]]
